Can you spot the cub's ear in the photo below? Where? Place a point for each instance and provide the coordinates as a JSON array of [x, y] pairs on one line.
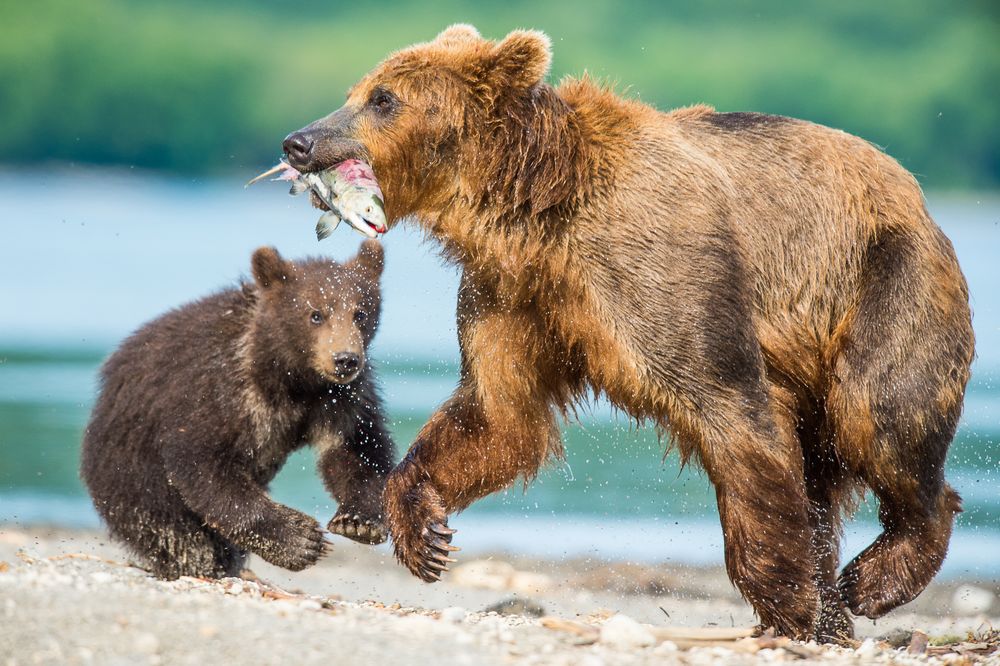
[[523, 58], [370, 258], [269, 268], [460, 33]]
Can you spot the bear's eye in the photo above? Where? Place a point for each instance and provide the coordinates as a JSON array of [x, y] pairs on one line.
[[316, 317], [382, 101], [360, 316]]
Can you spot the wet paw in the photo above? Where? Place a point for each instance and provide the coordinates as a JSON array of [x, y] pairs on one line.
[[872, 584], [860, 591], [419, 527], [301, 544], [358, 528]]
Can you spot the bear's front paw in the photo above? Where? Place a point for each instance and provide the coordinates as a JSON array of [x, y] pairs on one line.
[[419, 526], [300, 543], [358, 528]]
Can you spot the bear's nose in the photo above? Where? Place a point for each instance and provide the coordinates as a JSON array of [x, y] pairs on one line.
[[346, 363], [298, 146]]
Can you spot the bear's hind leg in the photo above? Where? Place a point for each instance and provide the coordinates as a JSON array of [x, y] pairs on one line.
[[903, 559], [178, 545], [826, 485], [898, 379], [756, 467]]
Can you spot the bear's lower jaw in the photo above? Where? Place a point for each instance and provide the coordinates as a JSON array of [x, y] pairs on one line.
[[334, 378]]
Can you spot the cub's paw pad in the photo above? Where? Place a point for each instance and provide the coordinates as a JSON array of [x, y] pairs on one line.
[[303, 544], [363, 530]]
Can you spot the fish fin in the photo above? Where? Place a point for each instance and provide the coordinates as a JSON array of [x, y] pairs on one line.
[[325, 225]]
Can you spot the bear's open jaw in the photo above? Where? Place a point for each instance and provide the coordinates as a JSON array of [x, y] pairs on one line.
[[347, 191]]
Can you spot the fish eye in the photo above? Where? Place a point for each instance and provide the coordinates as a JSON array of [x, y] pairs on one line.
[[360, 316], [316, 317]]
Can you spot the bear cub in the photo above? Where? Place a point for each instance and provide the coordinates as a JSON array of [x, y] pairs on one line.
[[200, 408]]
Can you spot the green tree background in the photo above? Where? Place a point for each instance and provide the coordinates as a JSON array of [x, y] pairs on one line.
[[211, 87]]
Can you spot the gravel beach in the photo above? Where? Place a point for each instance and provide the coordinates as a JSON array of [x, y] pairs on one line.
[[70, 597]]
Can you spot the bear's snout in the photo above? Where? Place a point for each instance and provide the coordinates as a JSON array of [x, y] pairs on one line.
[[298, 146], [346, 364]]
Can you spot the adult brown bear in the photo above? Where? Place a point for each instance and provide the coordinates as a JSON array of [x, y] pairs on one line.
[[771, 291]]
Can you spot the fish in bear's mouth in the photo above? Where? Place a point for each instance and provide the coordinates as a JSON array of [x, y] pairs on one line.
[[347, 192]]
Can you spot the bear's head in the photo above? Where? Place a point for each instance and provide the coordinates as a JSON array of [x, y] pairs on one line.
[[315, 318], [454, 120]]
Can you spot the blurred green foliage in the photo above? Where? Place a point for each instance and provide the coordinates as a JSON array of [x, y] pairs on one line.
[[197, 87]]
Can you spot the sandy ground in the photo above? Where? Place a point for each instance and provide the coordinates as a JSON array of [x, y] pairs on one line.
[[69, 597]]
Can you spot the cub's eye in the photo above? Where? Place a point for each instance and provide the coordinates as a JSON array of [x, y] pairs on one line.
[[360, 316], [382, 101], [316, 317]]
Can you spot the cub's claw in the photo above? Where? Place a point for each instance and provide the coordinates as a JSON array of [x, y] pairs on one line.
[[363, 530]]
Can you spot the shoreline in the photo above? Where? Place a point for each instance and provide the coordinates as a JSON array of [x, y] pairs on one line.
[[68, 596], [652, 541]]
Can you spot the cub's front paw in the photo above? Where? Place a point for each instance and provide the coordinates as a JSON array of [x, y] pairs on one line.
[[359, 528], [419, 527], [299, 543]]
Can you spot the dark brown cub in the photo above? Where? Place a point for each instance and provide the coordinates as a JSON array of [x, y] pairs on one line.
[[200, 408]]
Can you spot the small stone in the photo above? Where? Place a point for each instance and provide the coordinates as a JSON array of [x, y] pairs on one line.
[[235, 588], [666, 646], [146, 643], [101, 577], [867, 648], [310, 604], [971, 600], [453, 614], [488, 574], [516, 606], [918, 643], [624, 632], [528, 582]]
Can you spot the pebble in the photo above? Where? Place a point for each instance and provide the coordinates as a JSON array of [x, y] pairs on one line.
[[310, 604], [971, 600], [624, 632], [236, 587], [529, 582], [487, 574], [516, 606], [453, 614], [146, 643], [867, 648]]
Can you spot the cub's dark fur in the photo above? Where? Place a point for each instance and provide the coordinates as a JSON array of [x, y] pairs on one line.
[[199, 409]]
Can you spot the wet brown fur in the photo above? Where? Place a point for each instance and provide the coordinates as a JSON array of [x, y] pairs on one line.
[[771, 291], [200, 408]]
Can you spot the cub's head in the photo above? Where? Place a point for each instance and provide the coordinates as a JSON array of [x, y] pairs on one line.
[[413, 117], [316, 318]]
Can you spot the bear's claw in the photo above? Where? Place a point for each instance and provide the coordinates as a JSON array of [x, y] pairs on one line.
[[369, 531], [433, 559]]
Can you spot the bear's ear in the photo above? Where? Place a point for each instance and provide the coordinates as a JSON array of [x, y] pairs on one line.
[[268, 267], [370, 258], [523, 58], [460, 33]]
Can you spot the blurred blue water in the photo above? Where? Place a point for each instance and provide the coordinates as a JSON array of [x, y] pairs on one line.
[[87, 256]]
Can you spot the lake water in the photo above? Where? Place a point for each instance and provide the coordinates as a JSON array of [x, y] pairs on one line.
[[86, 257]]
